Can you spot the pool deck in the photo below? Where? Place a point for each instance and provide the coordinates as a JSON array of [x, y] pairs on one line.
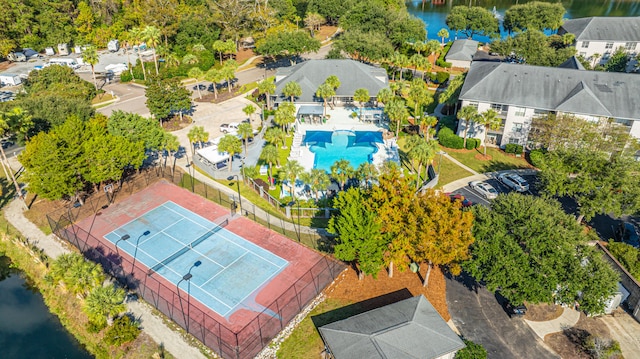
[[340, 119]]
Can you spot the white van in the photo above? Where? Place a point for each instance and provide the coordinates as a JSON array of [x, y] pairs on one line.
[[10, 79], [73, 63]]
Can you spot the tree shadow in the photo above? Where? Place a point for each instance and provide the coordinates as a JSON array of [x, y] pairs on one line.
[[465, 279], [360, 307]]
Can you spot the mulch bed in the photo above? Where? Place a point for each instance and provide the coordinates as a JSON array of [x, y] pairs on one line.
[[481, 157], [174, 124], [568, 344], [543, 312], [373, 293], [223, 95]]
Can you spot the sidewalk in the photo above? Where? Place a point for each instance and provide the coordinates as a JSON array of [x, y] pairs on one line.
[[151, 324], [568, 319]]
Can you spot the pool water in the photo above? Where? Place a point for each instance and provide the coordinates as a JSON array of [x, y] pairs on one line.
[[342, 146]]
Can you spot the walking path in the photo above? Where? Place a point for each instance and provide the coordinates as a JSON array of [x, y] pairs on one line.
[[152, 325], [568, 319]]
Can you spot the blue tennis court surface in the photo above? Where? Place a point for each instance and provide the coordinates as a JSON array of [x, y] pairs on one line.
[[232, 268]]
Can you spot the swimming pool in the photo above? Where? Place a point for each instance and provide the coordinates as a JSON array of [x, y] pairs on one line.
[[355, 147]]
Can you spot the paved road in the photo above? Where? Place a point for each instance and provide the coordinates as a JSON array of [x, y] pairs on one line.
[[131, 99], [481, 319]]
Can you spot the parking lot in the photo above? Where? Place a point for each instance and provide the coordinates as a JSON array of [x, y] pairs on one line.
[[476, 198]]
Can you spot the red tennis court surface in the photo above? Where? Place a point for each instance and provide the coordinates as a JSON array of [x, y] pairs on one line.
[[307, 274]]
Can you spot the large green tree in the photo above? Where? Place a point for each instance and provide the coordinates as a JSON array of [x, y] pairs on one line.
[[288, 43], [165, 97], [535, 15], [136, 128], [474, 20], [359, 239], [530, 250]]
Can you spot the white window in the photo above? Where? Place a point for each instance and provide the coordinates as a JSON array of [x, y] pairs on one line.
[[515, 141], [608, 45], [585, 44], [474, 105], [630, 46], [520, 111], [499, 108], [517, 127]]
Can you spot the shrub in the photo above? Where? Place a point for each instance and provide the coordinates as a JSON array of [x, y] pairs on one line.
[[513, 148], [471, 351], [442, 77], [448, 139], [472, 143], [443, 63], [122, 331], [536, 157], [125, 76]]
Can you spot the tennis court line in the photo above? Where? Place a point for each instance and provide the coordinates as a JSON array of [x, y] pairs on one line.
[[135, 219], [249, 250]]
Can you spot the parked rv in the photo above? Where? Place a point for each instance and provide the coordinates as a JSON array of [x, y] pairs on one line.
[[30, 53], [73, 63], [49, 51], [113, 45], [63, 49], [10, 80], [16, 57]]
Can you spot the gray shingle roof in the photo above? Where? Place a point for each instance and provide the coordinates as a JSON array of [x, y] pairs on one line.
[[352, 74], [462, 50], [554, 89], [604, 28], [408, 329], [572, 63]]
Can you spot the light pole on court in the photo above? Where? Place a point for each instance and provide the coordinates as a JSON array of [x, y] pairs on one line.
[[230, 178], [187, 277], [135, 253], [440, 161], [123, 238]]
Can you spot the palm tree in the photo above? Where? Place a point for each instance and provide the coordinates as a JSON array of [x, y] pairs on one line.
[[426, 122], [290, 172], [198, 48], [595, 57], [341, 171], [432, 47], [103, 303], [229, 72], [285, 115], [419, 46], [90, 56], [136, 34], [423, 152], [270, 156], [468, 114], [245, 131], [292, 89], [402, 61], [334, 82], [214, 75], [442, 34], [172, 60], [384, 95], [362, 96], [419, 96], [249, 110], [325, 92], [190, 59], [418, 60], [231, 145], [152, 35], [396, 111], [171, 144], [490, 120], [197, 134], [125, 38], [366, 172], [198, 75], [276, 136], [317, 179], [267, 87]]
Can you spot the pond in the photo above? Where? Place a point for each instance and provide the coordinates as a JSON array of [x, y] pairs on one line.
[[435, 12], [27, 328]]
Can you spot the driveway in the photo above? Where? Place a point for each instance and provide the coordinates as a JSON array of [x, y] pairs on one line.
[[481, 319], [626, 331]]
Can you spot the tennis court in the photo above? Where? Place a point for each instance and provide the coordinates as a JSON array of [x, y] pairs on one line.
[[170, 239]]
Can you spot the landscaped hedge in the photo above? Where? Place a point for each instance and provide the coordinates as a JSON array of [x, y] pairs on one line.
[[473, 143], [440, 61], [536, 157], [513, 148], [448, 139]]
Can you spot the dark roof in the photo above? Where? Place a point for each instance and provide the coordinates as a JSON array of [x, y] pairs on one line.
[[311, 110], [604, 28], [595, 93], [408, 329], [312, 73], [462, 50], [572, 63]]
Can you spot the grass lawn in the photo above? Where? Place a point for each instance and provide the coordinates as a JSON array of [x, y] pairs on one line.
[[305, 341], [449, 171], [497, 159]]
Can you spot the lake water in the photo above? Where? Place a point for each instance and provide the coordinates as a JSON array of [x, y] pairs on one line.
[[434, 15], [27, 329]]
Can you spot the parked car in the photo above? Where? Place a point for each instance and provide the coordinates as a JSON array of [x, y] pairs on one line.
[[628, 233], [231, 128], [484, 189], [514, 181], [458, 197], [30, 53], [515, 310]]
